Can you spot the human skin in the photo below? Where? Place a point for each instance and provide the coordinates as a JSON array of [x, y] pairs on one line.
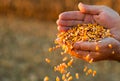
[[101, 15]]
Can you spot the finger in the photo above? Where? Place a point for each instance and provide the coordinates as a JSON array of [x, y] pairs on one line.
[[71, 15], [96, 56], [95, 46], [89, 19], [85, 46], [87, 55], [91, 9], [68, 22], [63, 28]]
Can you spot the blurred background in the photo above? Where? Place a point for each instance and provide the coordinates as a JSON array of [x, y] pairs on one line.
[[28, 29]]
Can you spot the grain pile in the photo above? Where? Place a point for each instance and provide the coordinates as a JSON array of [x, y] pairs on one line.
[[65, 40], [83, 32]]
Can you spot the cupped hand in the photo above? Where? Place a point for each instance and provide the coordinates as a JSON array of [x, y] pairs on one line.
[[101, 15]]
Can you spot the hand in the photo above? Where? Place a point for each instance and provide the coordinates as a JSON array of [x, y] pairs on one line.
[[91, 14], [94, 14], [107, 49]]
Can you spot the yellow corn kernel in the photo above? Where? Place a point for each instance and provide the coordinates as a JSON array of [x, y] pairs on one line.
[[94, 73], [50, 49], [85, 69], [70, 62], [87, 57], [63, 77], [47, 60], [110, 45], [96, 48], [91, 60], [64, 59], [68, 74], [70, 78], [77, 75], [57, 78], [89, 71], [46, 78], [62, 53], [55, 68]]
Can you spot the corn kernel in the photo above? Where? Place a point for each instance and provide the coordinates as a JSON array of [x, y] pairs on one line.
[[85, 69], [63, 77], [97, 48], [91, 60], [94, 73], [57, 78], [70, 62], [77, 76], [46, 78], [68, 74], [47, 60], [64, 59], [50, 49], [89, 71], [110, 45], [70, 78]]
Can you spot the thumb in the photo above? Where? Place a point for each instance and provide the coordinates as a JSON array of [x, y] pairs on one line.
[[91, 9]]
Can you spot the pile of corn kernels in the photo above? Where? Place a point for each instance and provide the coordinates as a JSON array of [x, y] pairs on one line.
[[65, 40]]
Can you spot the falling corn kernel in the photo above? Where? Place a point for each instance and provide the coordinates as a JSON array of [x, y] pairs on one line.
[[64, 59], [65, 80], [77, 75], [70, 78], [47, 60], [62, 53], [57, 78], [55, 68], [46, 78], [89, 71], [50, 49], [87, 57], [63, 77], [85, 69], [61, 68], [68, 74], [110, 45], [91, 60], [94, 73], [70, 62]]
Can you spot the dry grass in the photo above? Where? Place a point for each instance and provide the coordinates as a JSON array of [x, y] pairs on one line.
[[46, 9]]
